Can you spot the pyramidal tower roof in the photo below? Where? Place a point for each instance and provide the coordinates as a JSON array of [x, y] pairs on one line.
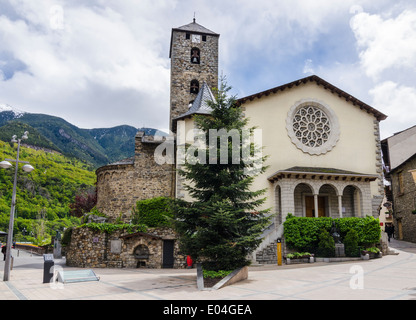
[[201, 102], [196, 28]]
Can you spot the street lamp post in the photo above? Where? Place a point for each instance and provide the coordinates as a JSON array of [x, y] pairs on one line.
[[27, 168]]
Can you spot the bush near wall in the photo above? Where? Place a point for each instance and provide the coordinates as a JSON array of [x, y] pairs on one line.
[[153, 212], [302, 233]]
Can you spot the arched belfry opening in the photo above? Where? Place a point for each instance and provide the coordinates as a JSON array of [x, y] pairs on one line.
[[195, 56], [194, 89]]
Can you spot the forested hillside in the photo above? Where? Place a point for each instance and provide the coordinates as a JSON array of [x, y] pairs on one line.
[[98, 147], [44, 195]]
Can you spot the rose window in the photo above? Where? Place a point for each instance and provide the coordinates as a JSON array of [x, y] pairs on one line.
[[311, 126]]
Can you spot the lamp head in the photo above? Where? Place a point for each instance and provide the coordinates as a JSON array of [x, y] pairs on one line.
[[28, 168], [5, 164]]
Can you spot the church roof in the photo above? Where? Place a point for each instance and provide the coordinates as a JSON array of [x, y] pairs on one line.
[[195, 28], [201, 102], [320, 82], [321, 173]]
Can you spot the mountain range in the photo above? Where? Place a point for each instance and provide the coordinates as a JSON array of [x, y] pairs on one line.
[[97, 147]]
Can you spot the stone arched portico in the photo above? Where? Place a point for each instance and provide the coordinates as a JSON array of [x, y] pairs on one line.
[[318, 192]]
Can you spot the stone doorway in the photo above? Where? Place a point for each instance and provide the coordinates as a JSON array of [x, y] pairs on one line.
[[168, 256]]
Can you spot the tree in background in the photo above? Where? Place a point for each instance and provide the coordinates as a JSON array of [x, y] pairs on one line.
[[223, 224], [83, 203]]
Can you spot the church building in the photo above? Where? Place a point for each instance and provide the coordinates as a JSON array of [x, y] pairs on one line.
[[323, 144]]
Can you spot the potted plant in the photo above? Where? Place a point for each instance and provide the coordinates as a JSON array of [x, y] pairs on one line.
[[373, 252], [298, 257]]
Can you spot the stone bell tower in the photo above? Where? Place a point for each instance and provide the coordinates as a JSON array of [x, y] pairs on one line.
[[194, 60]]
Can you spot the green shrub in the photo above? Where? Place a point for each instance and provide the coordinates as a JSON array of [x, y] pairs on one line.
[[215, 274], [111, 227], [298, 255], [302, 233], [326, 245], [368, 228], [373, 250], [351, 244], [153, 212], [66, 237]]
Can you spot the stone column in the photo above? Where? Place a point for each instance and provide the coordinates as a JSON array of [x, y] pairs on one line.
[[340, 205], [315, 202]]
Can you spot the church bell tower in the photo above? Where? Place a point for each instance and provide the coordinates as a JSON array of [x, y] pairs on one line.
[[194, 60]]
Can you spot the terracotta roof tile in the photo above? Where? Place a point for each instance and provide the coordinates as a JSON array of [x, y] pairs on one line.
[[320, 82]]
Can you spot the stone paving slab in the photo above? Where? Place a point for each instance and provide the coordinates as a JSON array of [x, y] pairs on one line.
[[392, 277]]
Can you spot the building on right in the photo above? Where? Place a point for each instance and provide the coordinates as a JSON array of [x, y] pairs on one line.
[[399, 157]]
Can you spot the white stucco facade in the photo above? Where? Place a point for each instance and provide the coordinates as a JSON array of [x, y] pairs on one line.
[[355, 148], [323, 152]]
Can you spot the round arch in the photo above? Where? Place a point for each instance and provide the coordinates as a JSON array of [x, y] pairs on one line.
[[303, 194], [328, 204], [278, 204], [352, 201]]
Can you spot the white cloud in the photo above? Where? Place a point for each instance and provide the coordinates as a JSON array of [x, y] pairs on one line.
[[106, 62], [386, 44], [308, 67], [398, 102], [89, 53]]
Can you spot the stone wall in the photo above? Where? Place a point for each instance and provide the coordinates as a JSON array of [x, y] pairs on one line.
[[95, 249], [404, 200], [378, 198], [121, 185]]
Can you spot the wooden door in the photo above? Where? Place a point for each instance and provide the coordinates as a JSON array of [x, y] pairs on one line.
[[321, 207], [310, 206]]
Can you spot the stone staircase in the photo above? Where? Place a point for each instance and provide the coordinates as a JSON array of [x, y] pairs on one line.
[[266, 253]]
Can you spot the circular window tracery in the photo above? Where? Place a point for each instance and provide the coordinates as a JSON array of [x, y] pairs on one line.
[[313, 127]]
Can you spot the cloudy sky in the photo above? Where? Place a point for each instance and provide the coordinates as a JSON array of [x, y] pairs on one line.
[[102, 63]]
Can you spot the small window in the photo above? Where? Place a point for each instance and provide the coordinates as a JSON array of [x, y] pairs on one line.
[[188, 36], [194, 86], [195, 55], [204, 38]]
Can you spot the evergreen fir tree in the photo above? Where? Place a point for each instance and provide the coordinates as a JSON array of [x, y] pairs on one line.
[[222, 226]]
